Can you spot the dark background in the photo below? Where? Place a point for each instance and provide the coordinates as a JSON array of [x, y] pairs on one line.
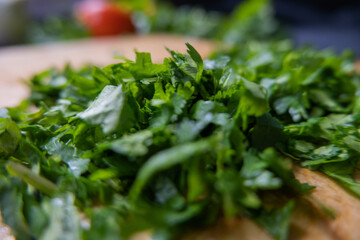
[[321, 23]]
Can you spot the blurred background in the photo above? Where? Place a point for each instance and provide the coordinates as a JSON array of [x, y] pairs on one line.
[[321, 23]]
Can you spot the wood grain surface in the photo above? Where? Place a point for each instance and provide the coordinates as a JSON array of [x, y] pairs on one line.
[[308, 220]]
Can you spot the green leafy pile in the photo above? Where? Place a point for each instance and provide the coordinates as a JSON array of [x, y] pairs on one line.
[[315, 96], [138, 145], [112, 151]]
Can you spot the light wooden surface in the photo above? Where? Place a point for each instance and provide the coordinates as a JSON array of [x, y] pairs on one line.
[[308, 221]]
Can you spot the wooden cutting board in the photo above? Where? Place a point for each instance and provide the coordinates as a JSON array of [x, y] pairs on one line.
[[308, 222]]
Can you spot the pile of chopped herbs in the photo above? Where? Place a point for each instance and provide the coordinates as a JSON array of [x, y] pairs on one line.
[[103, 153], [111, 151]]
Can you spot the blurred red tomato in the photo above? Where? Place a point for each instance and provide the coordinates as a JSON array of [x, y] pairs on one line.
[[103, 18]]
